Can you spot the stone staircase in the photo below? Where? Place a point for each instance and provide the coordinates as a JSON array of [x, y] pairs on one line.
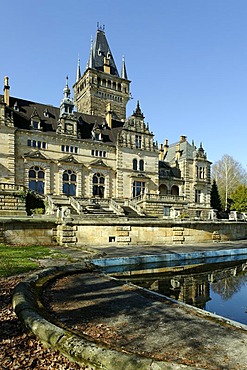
[[130, 212], [62, 205]]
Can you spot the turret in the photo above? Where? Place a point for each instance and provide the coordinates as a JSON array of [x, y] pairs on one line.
[[67, 105]]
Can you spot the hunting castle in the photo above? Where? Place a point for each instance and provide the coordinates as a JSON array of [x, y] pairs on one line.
[[87, 154]]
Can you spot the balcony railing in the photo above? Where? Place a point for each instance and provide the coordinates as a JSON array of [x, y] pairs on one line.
[[159, 198]]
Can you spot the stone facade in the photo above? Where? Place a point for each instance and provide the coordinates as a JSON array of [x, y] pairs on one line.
[[87, 149]]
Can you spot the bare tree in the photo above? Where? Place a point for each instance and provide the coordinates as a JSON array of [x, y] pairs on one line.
[[228, 174]]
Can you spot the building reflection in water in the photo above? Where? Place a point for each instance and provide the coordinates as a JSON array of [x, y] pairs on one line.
[[193, 284]]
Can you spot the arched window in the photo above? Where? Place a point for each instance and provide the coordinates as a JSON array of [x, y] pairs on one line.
[[103, 82], [135, 164], [114, 85], [174, 190], [37, 179], [141, 165], [98, 185], [69, 183], [163, 189]]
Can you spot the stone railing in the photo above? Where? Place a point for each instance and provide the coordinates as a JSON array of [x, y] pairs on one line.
[[158, 198], [116, 207], [11, 187], [132, 203], [75, 204], [51, 208]]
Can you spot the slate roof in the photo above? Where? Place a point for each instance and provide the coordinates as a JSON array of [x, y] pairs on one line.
[[24, 110], [100, 50], [187, 151]]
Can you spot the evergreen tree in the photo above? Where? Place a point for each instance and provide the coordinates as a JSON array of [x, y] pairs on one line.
[[215, 197]]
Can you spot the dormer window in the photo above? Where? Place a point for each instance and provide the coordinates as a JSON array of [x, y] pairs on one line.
[[46, 113], [35, 124], [16, 107], [96, 135]]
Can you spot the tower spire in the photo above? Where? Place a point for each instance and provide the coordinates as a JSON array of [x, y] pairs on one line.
[[78, 72], [123, 70], [90, 62]]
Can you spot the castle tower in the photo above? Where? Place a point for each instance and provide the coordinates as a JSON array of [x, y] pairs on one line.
[[101, 83]]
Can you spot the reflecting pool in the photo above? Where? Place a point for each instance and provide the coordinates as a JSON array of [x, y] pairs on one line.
[[219, 288]]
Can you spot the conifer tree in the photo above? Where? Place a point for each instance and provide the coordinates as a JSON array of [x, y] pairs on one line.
[[215, 197]]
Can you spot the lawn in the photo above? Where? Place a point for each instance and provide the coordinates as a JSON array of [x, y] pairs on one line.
[[16, 260]]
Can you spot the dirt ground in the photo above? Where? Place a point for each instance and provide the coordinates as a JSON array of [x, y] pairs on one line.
[[20, 350], [129, 319]]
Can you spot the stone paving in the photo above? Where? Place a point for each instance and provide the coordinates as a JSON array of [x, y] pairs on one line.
[[129, 320]]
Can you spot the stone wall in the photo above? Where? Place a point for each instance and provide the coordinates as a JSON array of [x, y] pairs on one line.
[[117, 232], [27, 231], [149, 232]]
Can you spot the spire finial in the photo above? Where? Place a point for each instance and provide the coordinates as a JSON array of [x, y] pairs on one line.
[[123, 70], [78, 73], [90, 62], [138, 112], [66, 90]]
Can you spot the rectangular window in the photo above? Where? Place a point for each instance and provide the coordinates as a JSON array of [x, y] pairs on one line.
[[167, 211], [138, 140], [98, 153], [62, 148], [138, 188], [36, 144], [198, 196], [76, 150], [35, 124]]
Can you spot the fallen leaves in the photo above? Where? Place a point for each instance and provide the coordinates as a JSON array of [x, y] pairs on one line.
[[20, 350]]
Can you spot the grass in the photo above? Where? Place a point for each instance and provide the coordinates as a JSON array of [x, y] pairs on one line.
[[16, 260]]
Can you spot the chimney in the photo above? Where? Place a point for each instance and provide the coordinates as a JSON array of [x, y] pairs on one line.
[[108, 116], [182, 139], [178, 152], [161, 152], [166, 146], [6, 90]]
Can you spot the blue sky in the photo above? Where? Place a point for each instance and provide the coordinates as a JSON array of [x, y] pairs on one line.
[[187, 60]]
